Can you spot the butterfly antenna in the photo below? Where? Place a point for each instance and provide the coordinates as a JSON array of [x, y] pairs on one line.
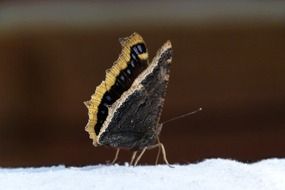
[[182, 116]]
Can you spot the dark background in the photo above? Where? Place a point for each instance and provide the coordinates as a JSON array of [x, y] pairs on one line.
[[229, 58]]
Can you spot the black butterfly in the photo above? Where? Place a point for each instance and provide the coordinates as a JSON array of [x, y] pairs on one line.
[[124, 111]]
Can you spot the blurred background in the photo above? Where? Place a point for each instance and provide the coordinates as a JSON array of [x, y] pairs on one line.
[[229, 58]]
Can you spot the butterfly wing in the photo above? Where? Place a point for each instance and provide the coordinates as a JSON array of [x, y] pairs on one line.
[[133, 120], [119, 78]]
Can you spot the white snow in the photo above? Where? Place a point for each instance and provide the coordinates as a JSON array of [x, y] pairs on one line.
[[211, 174]]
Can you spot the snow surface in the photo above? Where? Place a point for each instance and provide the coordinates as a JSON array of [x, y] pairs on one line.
[[211, 174]]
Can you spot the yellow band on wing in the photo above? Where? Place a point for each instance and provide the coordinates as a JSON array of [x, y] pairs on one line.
[[110, 79]]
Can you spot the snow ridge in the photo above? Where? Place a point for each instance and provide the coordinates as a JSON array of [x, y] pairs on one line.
[[211, 174]]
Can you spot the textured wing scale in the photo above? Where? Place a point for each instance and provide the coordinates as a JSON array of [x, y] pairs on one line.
[[133, 122], [132, 60]]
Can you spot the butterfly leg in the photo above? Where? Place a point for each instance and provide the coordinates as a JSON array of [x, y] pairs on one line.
[[158, 154], [143, 151], [161, 149], [140, 156], [116, 156], [133, 157], [164, 154]]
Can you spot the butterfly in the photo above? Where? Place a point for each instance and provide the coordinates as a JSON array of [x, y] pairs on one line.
[[124, 112]]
